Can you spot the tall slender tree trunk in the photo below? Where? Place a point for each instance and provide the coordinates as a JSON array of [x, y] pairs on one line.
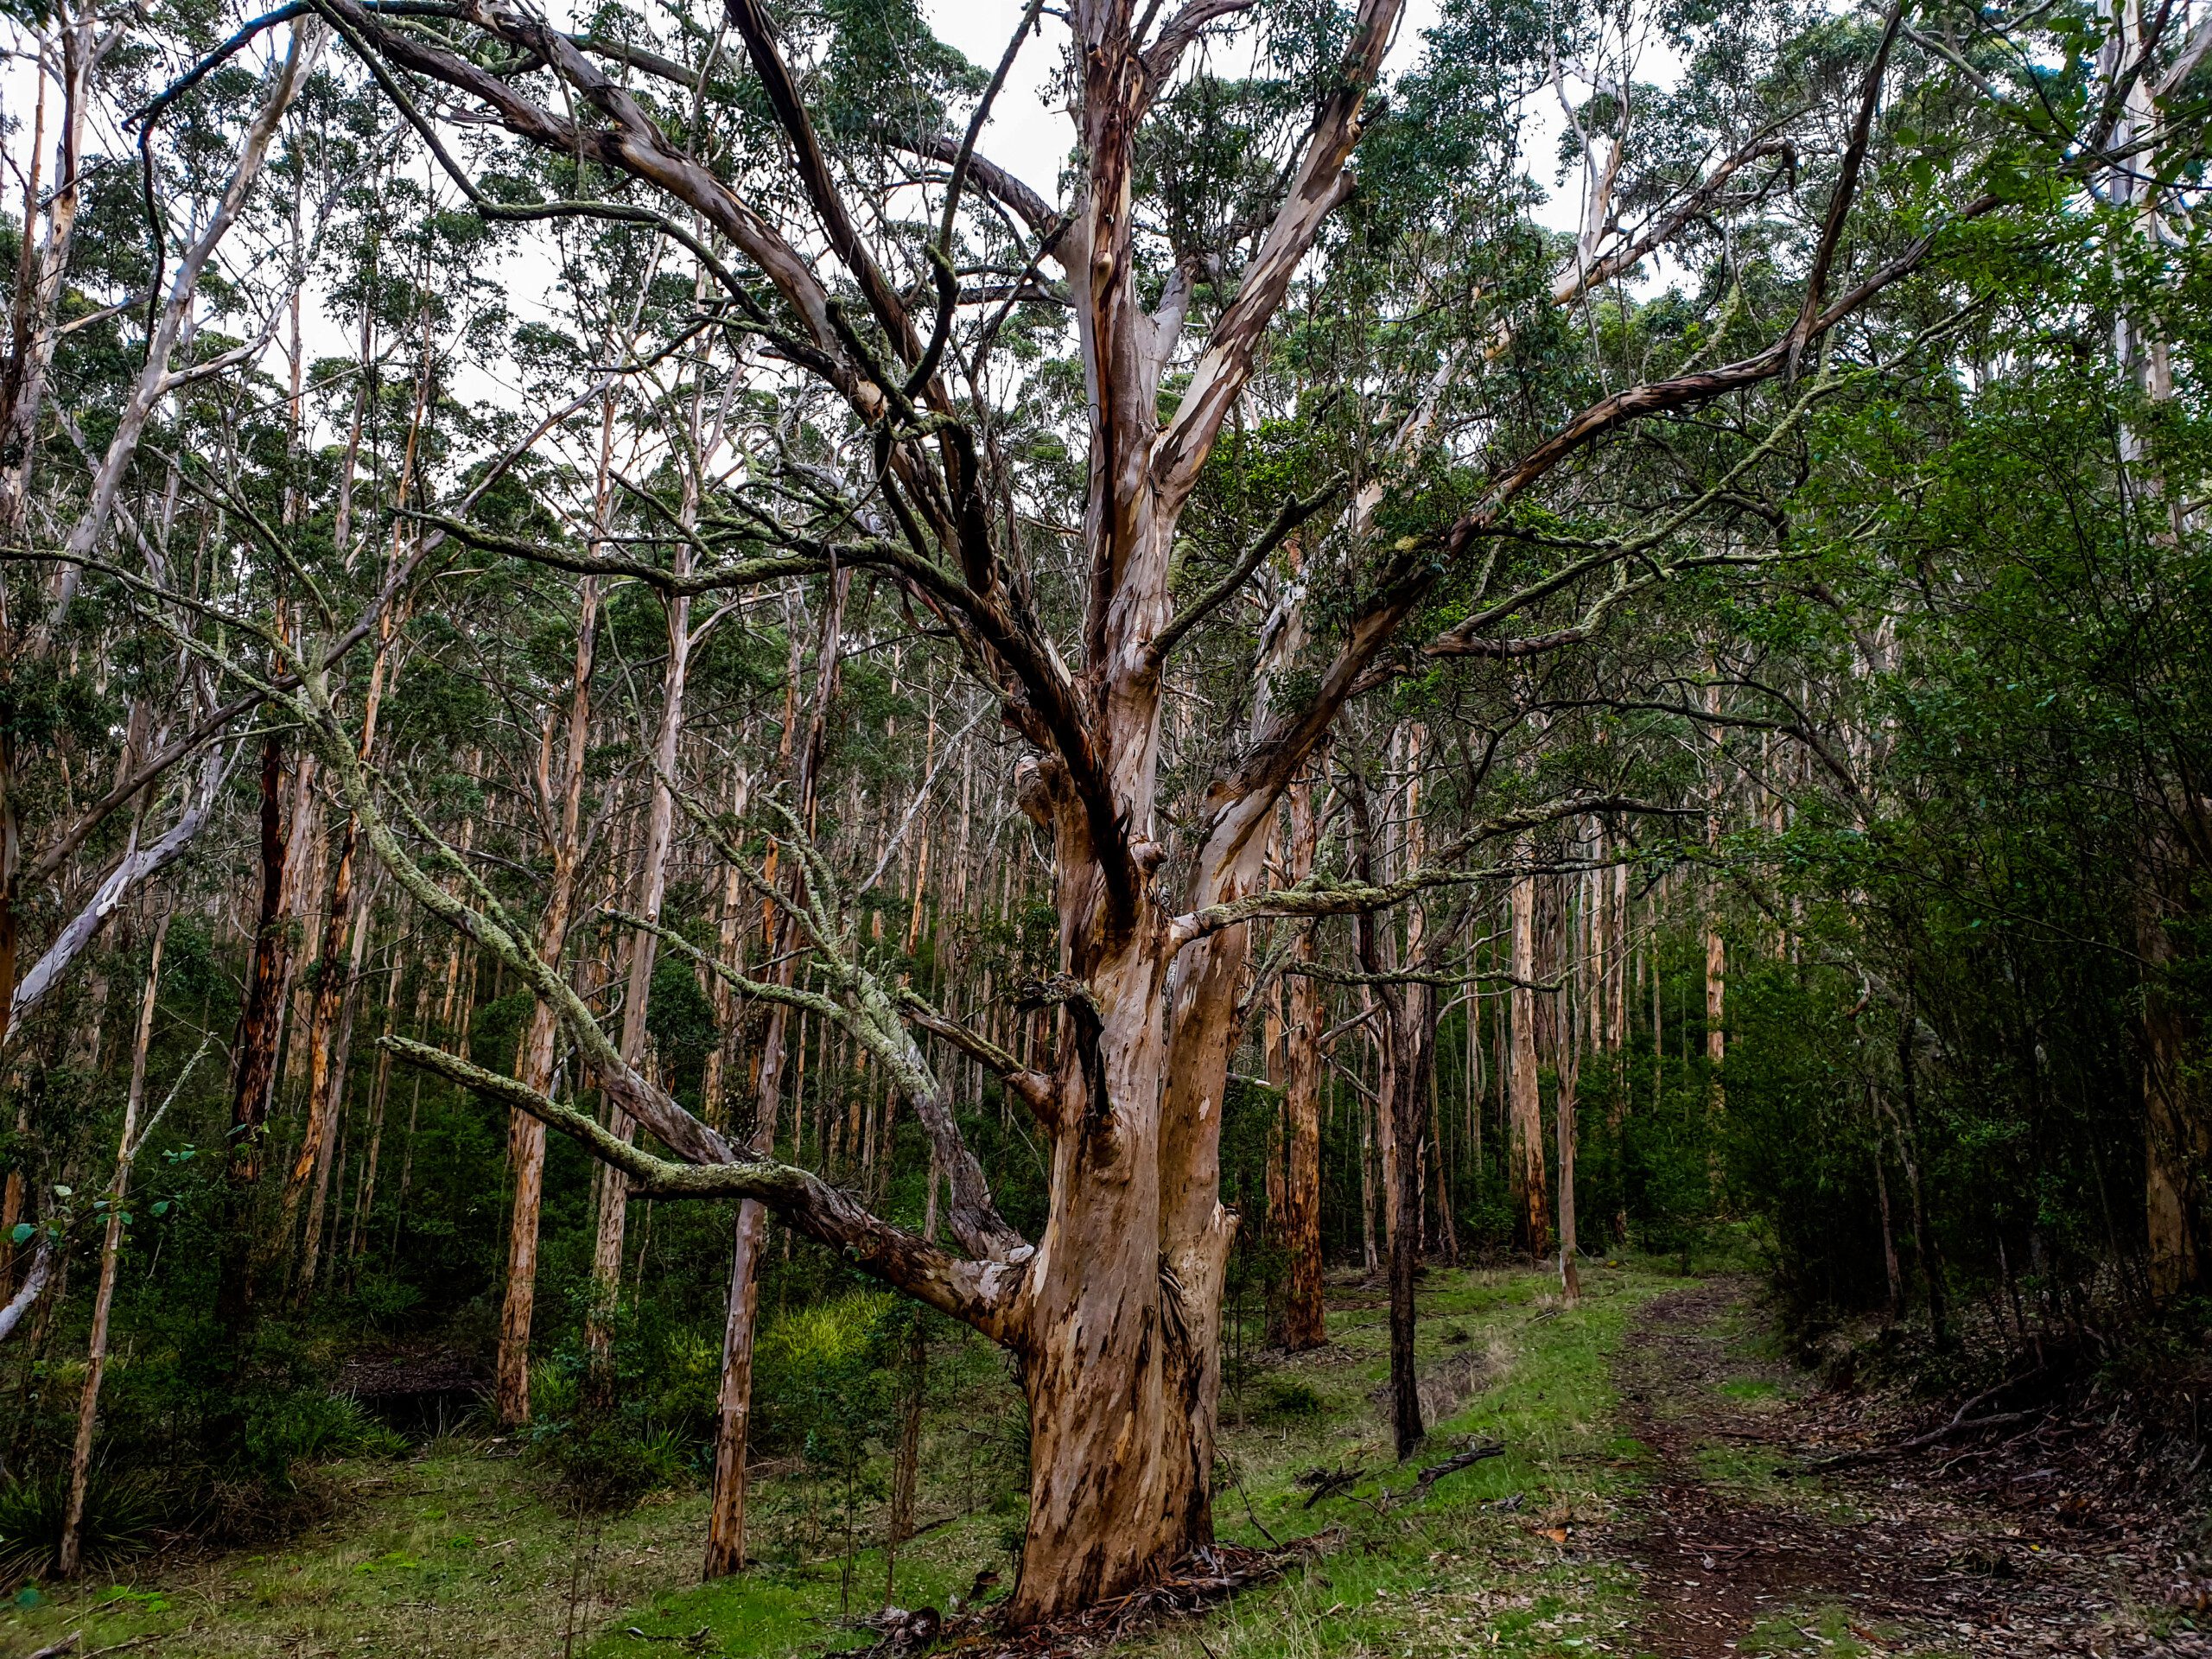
[[560, 795], [1304, 1324], [1895, 1305], [1908, 1126], [725, 1545], [1413, 1036], [342, 1048], [1570, 1272], [365, 1196], [1531, 1210], [2177, 1126], [88, 1406], [660, 828], [40, 279], [254, 1066], [336, 965]]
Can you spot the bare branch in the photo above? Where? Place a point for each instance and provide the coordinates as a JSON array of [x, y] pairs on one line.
[[980, 1294]]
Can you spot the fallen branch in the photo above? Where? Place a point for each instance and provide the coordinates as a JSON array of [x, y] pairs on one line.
[[1436, 1472], [1960, 1424]]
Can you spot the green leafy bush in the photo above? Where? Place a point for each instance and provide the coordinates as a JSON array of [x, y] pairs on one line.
[[308, 1426], [1286, 1400]]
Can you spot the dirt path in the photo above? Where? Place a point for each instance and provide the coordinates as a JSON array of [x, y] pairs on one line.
[[1742, 1556]]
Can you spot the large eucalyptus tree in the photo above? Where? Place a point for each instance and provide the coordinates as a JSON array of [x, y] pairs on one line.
[[864, 247]]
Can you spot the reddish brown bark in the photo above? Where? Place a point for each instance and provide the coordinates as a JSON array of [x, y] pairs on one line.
[[559, 795], [254, 1071]]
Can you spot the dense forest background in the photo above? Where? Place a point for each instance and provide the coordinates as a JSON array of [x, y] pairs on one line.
[[1780, 831]]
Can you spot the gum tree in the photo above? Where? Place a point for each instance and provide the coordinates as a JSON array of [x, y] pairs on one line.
[[867, 250]]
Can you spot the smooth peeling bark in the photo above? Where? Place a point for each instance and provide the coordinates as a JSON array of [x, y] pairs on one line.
[[725, 1547], [1119, 1361], [526, 1150]]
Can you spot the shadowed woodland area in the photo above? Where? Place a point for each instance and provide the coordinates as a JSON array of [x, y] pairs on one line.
[[1409, 850]]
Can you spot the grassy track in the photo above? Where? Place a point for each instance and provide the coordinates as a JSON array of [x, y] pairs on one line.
[[458, 1550]]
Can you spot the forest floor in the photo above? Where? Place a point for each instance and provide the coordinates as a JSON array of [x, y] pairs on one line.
[[1649, 1501]]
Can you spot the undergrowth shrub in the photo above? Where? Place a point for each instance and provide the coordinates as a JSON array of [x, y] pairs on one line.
[[126, 1512]]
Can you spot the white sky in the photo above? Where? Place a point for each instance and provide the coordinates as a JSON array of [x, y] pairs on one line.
[[1030, 137], [1027, 135]]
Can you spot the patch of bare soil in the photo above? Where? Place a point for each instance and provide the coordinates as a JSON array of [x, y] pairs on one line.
[[1924, 1561]]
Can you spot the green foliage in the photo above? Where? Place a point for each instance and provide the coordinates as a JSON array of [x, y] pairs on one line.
[[125, 1510], [291, 1429]]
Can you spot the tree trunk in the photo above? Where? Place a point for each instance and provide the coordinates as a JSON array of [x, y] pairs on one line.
[[364, 1198], [2176, 1143], [660, 828], [1570, 1272], [534, 1061], [1530, 1209], [725, 1548], [88, 1407], [1908, 1126], [1716, 992], [341, 1049], [1304, 1324], [260, 1024], [39, 287], [1413, 1035], [1895, 1305]]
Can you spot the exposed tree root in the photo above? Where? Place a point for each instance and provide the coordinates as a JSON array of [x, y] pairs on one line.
[[1197, 1582]]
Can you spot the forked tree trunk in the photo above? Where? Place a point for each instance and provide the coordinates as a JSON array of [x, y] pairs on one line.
[[1119, 1364], [43, 271]]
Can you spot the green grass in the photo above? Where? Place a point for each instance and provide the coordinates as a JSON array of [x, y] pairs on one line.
[[458, 1550]]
